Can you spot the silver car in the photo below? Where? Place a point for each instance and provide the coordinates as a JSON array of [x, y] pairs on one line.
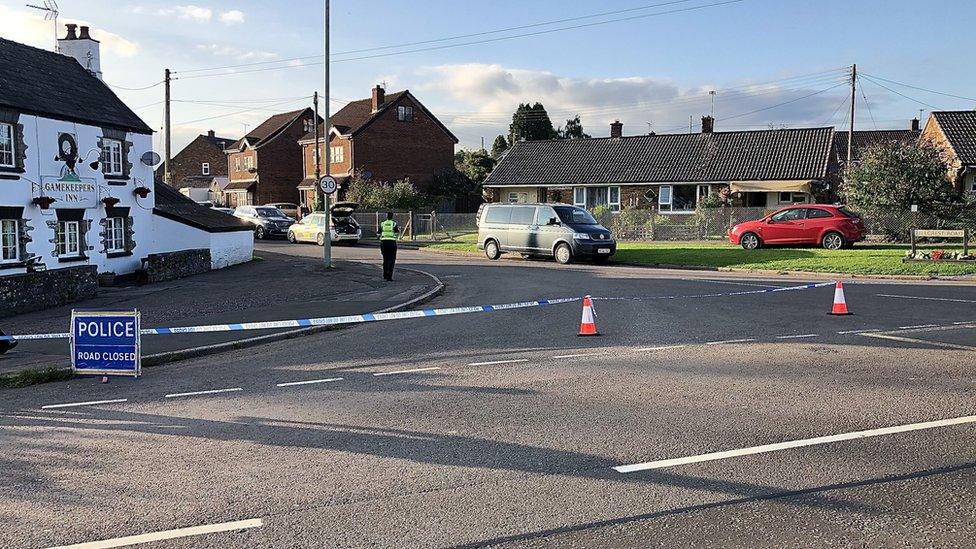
[[267, 221], [553, 230]]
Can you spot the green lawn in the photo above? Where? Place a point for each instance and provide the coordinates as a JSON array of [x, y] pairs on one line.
[[862, 259]]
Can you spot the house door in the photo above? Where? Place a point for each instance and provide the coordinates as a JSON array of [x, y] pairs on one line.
[[231, 199]]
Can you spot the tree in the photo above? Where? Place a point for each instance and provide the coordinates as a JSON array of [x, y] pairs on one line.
[[375, 195], [530, 123], [475, 164], [499, 146], [574, 129], [897, 175]]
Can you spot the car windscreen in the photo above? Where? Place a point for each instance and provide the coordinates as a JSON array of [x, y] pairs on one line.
[[575, 216], [269, 212]]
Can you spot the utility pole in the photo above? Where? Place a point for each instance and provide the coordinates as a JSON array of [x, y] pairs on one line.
[[168, 130], [318, 156], [327, 248], [850, 134]]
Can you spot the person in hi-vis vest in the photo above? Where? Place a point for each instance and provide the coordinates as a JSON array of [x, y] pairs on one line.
[[388, 245]]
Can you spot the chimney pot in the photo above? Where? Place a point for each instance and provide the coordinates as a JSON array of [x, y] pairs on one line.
[[210, 134], [83, 34], [379, 97], [71, 32], [708, 124], [915, 124], [616, 129]]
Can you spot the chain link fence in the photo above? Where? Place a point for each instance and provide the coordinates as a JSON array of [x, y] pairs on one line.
[[423, 226]]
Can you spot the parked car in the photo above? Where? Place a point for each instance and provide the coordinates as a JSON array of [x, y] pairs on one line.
[[207, 203], [289, 208], [228, 211], [833, 227], [343, 229], [552, 230], [267, 221]]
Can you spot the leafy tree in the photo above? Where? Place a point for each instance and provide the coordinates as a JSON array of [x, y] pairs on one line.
[[574, 129], [474, 164], [896, 175], [376, 195], [499, 146], [530, 123]]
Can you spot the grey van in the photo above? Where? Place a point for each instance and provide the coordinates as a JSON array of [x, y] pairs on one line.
[[557, 230]]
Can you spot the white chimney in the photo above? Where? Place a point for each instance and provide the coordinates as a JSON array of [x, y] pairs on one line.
[[82, 47]]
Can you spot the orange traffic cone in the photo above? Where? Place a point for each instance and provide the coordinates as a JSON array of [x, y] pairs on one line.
[[587, 323], [840, 303]]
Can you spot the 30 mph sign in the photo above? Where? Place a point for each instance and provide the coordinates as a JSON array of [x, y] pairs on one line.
[[328, 184]]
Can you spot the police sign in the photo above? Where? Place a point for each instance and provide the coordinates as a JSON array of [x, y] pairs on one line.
[[105, 343]]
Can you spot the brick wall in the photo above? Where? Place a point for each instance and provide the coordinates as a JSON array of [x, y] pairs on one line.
[[237, 159], [338, 168], [280, 168], [189, 161], [174, 265]]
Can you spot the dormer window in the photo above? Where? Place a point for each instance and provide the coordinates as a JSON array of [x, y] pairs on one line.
[[7, 158], [308, 125], [404, 113], [111, 157], [205, 168]]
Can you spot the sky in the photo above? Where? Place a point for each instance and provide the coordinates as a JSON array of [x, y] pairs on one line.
[[651, 64]]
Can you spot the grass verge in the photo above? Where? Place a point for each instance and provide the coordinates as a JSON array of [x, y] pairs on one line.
[[34, 376]]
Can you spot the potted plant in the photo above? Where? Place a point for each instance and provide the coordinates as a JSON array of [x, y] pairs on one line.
[[141, 192], [110, 201], [43, 201], [106, 279]]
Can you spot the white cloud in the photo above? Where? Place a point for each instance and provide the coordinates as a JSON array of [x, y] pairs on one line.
[[195, 13], [32, 29], [232, 17], [224, 50]]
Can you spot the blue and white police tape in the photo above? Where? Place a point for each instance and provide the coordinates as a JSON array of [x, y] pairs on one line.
[[722, 294], [326, 321]]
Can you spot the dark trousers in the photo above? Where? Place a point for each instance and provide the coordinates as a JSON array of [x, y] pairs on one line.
[[389, 249]]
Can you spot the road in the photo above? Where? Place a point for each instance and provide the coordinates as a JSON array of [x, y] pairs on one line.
[[505, 429]]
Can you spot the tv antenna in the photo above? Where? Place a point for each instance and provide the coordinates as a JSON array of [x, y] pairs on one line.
[[50, 8]]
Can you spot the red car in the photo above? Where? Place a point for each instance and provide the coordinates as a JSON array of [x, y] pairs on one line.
[[832, 227]]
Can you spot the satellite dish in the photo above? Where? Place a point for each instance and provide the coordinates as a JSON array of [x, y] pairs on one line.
[[150, 158]]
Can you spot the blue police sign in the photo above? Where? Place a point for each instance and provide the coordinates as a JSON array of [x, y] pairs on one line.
[[105, 343]]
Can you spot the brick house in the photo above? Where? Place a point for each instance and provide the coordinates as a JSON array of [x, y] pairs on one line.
[[385, 137], [263, 165], [194, 168], [667, 172], [955, 133]]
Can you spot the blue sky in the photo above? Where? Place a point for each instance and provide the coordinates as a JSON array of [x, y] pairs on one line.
[[658, 69]]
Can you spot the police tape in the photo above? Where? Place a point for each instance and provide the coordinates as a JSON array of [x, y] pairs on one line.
[[378, 317]]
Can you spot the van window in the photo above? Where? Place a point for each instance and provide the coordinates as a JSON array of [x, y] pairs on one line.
[[523, 215], [499, 214], [544, 214]]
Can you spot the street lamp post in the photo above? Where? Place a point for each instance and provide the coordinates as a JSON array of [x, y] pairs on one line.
[[327, 246]]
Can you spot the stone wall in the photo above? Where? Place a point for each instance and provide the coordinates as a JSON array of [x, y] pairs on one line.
[[173, 265], [21, 293]]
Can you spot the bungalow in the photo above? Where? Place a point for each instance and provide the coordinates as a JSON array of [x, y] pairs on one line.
[[955, 133], [669, 173]]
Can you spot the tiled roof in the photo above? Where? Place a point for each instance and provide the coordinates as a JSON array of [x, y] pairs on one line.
[[959, 128], [171, 204], [44, 83], [194, 182], [865, 138], [788, 154], [219, 142], [269, 128], [356, 114]]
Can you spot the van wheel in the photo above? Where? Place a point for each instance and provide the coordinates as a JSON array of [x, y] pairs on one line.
[[491, 250], [833, 241], [563, 254]]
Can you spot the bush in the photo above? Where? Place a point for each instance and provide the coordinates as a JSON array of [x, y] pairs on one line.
[[603, 215], [633, 217], [374, 195]]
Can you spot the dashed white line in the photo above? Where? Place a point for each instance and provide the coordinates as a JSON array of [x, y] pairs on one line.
[[729, 341], [211, 392], [928, 298], [89, 403], [922, 342], [379, 374], [580, 355], [799, 336], [494, 362], [847, 332], [660, 464], [918, 326], [168, 534], [309, 382], [658, 348], [962, 323]]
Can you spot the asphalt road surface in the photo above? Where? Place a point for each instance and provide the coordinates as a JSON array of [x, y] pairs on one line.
[[693, 420]]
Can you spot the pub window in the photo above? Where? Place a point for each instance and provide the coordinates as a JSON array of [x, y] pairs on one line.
[[205, 168], [67, 239], [9, 240], [111, 157], [404, 113], [115, 235], [7, 145]]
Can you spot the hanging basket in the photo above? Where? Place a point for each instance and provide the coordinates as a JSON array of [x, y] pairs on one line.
[[110, 201], [141, 192], [44, 202]]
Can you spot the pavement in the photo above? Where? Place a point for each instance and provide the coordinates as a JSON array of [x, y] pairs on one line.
[[276, 287], [505, 429]]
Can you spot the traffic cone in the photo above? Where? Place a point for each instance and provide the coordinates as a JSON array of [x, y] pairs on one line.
[[587, 323], [840, 303]]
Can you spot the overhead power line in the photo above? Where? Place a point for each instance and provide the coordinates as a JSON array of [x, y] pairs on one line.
[[920, 88], [150, 86], [244, 111], [920, 102]]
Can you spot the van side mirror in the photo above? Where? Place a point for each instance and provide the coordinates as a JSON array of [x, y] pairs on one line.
[[553, 221]]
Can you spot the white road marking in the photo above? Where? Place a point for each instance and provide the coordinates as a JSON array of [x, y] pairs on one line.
[[712, 456], [378, 374], [800, 336], [918, 326], [211, 392], [859, 331], [731, 282], [580, 355], [309, 382], [493, 362], [928, 298], [729, 341], [90, 403], [960, 323], [168, 534], [660, 348], [922, 341]]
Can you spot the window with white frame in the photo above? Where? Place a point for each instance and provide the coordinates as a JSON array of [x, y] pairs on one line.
[[9, 240], [7, 145], [664, 197], [237, 164], [404, 113], [579, 196], [337, 154], [67, 240], [205, 168], [114, 235], [613, 198], [111, 157], [248, 163]]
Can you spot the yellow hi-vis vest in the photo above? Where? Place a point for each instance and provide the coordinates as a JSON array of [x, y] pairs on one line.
[[388, 231]]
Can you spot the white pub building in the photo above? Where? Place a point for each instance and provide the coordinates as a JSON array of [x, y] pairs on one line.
[[76, 174]]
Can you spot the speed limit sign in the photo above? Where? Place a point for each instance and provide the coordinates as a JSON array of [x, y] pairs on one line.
[[328, 184]]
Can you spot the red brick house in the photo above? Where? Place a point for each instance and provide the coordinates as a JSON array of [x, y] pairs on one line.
[[195, 167], [384, 138], [955, 133], [263, 165]]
